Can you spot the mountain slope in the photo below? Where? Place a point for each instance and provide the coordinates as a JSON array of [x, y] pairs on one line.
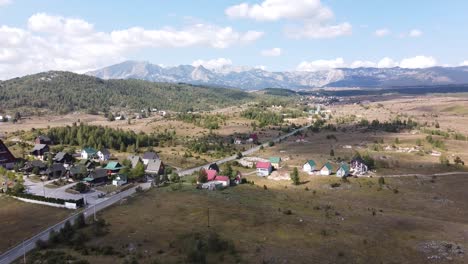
[[65, 92], [248, 78]]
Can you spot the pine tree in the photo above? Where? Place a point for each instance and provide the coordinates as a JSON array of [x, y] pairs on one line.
[[295, 177]]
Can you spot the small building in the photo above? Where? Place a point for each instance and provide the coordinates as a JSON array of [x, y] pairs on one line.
[[78, 171], [56, 170], [38, 165], [149, 156], [310, 166], [89, 164], [263, 168], [224, 180], [98, 176], [63, 157], [275, 162], [253, 138], [326, 170], [40, 150], [214, 166], [343, 171], [7, 160], [119, 180], [43, 140], [103, 155], [134, 160], [113, 167], [88, 153], [155, 167], [358, 167]]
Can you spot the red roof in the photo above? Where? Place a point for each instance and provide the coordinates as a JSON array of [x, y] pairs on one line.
[[263, 165], [211, 174], [222, 178]]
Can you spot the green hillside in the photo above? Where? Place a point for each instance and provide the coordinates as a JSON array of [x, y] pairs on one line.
[[64, 92]]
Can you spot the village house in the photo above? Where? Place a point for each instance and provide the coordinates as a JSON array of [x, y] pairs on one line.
[[113, 167], [56, 170], [275, 162], [7, 160], [358, 167], [211, 174], [39, 151], [149, 156], [43, 140], [253, 138], [310, 166], [103, 155], [98, 176], [88, 153], [134, 160], [343, 171], [326, 170], [215, 181], [155, 167], [119, 180], [263, 168], [63, 157], [38, 165], [89, 164], [78, 171]]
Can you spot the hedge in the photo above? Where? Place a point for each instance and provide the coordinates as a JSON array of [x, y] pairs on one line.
[[79, 202]]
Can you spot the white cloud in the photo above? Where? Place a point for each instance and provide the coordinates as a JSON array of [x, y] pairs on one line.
[[5, 2], [464, 63], [318, 65], [274, 52], [382, 32], [60, 43], [387, 63], [260, 67], [418, 62], [415, 33], [316, 19], [213, 64], [362, 64]]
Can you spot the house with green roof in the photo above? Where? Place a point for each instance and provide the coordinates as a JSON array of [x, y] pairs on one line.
[[113, 167], [275, 162], [310, 166], [343, 171], [88, 153], [327, 169]]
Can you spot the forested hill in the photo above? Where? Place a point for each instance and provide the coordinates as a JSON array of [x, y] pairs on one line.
[[64, 92]]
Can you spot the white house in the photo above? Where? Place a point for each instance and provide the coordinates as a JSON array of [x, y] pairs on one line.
[[88, 153], [263, 168], [119, 180], [103, 155], [310, 166], [343, 171], [326, 170]]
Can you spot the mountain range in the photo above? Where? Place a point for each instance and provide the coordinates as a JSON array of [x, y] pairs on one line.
[[255, 79]]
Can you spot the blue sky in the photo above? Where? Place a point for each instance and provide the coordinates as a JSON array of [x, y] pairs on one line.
[[39, 35]]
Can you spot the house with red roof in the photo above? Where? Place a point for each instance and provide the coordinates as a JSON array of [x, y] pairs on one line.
[[224, 180], [263, 168], [211, 174]]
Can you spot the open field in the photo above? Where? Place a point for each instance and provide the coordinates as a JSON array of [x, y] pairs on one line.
[[20, 220], [358, 222]]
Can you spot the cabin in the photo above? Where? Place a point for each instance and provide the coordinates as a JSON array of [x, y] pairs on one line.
[[149, 156], [103, 155], [326, 170], [7, 160], [56, 170], [63, 157], [343, 171], [98, 176], [263, 168], [113, 167], [310, 166], [358, 167], [40, 150], [275, 162], [119, 180], [134, 160], [88, 153], [43, 140]]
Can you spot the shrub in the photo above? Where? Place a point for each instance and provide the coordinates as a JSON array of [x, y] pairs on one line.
[[335, 185]]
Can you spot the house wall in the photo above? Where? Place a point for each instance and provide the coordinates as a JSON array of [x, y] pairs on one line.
[[325, 171]]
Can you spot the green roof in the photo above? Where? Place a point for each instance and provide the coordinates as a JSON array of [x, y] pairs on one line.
[[88, 179], [311, 163], [90, 150], [328, 165], [275, 159], [113, 165], [345, 167]]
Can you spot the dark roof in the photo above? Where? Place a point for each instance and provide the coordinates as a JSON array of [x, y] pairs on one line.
[[43, 138], [214, 166], [56, 167], [61, 155], [150, 155], [105, 151], [98, 173], [35, 164], [77, 169], [5, 155], [358, 159]]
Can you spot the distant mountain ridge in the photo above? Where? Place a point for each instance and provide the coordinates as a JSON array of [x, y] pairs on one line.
[[254, 79]]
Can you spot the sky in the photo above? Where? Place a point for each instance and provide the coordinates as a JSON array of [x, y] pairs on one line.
[[275, 35]]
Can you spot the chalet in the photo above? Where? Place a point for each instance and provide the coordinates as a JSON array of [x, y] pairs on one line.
[[40, 150], [7, 160], [310, 166], [119, 180], [263, 168], [275, 162], [155, 167], [56, 170], [32, 165], [134, 160], [43, 140], [214, 166], [103, 155], [149, 156], [113, 167], [98, 176], [63, 157], [343, 171], [88, 153], [358, 166], [326, 170]]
